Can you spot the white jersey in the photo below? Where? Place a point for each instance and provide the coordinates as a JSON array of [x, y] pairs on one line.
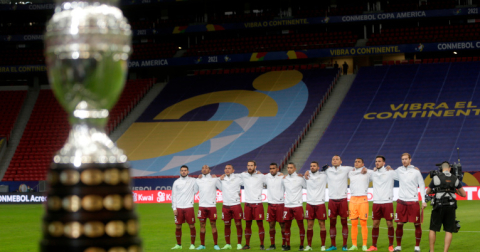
[[208, 191], [316, 185], [383, 181], [409, 179], [337, 179], [253, 185], [275, 188], [183, 192], [294, 185], [230, 186], [359, 182]]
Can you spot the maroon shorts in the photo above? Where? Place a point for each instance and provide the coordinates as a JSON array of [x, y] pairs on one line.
[[185, 215], [207, 212], [316, 212], [407, 211], [338, 207], [231, 212], [253, 211], [275, 212], [290, 213], [382, 211]]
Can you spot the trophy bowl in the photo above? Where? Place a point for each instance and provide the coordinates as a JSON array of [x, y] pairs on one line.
[[87, 45]]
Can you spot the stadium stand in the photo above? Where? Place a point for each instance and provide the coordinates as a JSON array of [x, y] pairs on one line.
[[21, 28], [451, 59], [426, 34], [333, 11], [152, 24], [411, 5], [258, 69], [46, 132], [35, 56], [373, 119], [43, 137], [221, 129], [21, 56], [133, 92], [237, 18], [430, 61], [10, 104], [273, 43], [153, 51], [48, 128]]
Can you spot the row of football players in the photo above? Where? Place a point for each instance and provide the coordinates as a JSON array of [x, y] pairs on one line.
[[285, 202]]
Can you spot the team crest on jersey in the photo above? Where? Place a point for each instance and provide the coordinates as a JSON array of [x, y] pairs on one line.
[[366, 215], [214, 215], [391, 215], [260, 215]]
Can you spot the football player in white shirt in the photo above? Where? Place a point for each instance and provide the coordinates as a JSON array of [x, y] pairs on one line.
[[183, 195], [408, 209], [383, 181], [232, 209], [276, 200], [359, 206], [207, 186], [294, 185], [337, 179], [316, 184], [253, 186]]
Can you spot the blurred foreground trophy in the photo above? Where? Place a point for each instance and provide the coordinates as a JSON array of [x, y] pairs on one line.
[[90, 205]]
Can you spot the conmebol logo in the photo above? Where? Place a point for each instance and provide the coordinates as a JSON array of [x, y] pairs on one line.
[[24, 198]]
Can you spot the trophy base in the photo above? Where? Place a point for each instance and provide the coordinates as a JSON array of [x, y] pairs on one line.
[[90, 209]]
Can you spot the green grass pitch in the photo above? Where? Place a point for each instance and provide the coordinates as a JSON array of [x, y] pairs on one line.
[[20, 230]]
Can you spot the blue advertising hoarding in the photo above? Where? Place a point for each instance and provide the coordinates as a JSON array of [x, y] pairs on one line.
[[304, 54], [280, 55]]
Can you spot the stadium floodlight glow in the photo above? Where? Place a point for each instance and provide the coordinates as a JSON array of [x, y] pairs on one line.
[[454, 52]]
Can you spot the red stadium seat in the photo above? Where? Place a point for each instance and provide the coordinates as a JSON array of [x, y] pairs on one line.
[[48, 129]]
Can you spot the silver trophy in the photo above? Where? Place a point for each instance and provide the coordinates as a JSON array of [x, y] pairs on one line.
[[90, 205]]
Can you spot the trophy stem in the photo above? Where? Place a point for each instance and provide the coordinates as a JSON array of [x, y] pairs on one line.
[[89, 143], [96, 118]]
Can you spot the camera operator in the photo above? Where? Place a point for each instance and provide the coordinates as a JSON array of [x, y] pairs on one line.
[[444, 185]]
